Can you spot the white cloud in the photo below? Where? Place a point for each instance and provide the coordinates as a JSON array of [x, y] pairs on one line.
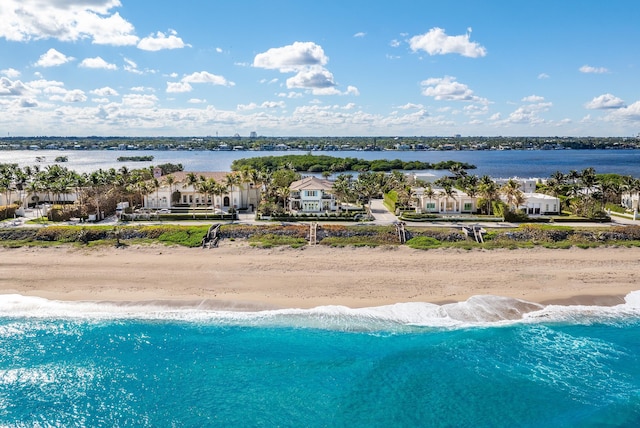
[[105, 92], [131, 66], [247, 107], [359, 34], [97, 62], [307, 60], [476, 110], [543, 76], [605, 101], [161, 41], [394, 43], [273, 104], [142, 89], [178, 87], [595, 70], [219, 50], [11, 73], [206, 77], [352, 90], [12, 88], [528, 114], [436, 42], [139, 101], [291, 94], [312, 77], [28, 103], [627, 114], [25, 20], [264, 105], [447, 89], [533, 99], [75, 96], [196, 101], [410, 106], [53, 58], [291, 58], [269, 82]]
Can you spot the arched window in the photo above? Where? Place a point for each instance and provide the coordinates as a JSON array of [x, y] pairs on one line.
[[225, 201]]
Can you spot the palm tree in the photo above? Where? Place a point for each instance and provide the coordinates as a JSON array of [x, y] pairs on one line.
[[192, 180], [283, 193], [513, 194], [448, 191], [429, 193], [206, 187], [458, 171], [7, 174], [246, 178], [489, 191], [218, 190], [588, 179], [232, 180], [343, 189], [559, 177], [170, 180], [469, 184], [33, 188], [367, 186]]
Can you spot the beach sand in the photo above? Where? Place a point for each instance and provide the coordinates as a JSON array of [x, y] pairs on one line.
[[240, 277]]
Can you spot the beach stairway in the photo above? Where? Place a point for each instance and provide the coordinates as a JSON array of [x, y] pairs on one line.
[[313, 233], [401, 231], [475, 232], [212, 237]]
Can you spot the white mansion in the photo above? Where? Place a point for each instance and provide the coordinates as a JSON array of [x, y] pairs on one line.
[[238, 195]]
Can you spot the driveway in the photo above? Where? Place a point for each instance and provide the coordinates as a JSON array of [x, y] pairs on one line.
[[381, 213]]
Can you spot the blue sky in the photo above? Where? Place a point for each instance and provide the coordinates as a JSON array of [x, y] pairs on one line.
[[330, 68]]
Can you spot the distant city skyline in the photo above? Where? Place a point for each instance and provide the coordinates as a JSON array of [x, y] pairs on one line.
[[290, 68]]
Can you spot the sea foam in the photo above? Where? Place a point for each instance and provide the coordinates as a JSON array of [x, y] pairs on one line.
[[476, 311]]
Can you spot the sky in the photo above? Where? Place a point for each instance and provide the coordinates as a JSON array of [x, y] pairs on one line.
[[206, 68]]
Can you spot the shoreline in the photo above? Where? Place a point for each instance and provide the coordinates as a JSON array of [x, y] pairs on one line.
[[236, 276]]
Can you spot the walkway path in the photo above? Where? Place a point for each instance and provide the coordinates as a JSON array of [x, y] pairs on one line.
[[381, 214]]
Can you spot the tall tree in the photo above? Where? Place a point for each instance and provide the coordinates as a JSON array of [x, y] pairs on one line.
[[192, 180], [513, 194], [170, 180], [489, 191]]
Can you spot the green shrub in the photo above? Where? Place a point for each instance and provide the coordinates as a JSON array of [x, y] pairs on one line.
[[423, 242], [186, 236], [271, 240]]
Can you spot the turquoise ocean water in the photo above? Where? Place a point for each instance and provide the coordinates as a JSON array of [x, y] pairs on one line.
[[485, 362]]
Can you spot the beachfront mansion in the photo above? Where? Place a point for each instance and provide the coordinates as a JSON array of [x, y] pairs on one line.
[[239, 195]]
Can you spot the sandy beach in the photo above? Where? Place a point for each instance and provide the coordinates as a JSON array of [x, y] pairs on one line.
[[238, 276]]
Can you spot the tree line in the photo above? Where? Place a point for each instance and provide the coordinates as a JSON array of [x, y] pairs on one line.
[[331, 164]]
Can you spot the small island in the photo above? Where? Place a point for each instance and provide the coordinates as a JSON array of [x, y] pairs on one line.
[[325, 163], [135, 158]]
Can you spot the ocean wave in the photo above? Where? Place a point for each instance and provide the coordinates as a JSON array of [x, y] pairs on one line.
[[482, 310]]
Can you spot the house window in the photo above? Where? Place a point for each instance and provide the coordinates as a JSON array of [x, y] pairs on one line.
[[312, 193], [468, 206], [430, 206]]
